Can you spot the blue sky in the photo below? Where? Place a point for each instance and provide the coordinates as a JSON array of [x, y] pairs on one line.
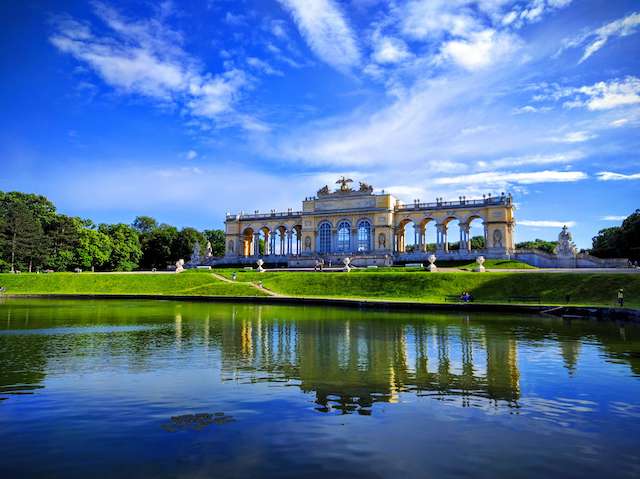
[[186, 110]]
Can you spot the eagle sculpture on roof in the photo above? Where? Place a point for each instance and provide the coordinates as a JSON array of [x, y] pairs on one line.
[[344, 184]]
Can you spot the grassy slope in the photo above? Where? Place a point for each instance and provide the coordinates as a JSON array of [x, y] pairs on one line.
[[88, 283], [584, 288]]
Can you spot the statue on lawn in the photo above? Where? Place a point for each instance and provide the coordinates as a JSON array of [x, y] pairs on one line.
[[195, 255], [565, 246]]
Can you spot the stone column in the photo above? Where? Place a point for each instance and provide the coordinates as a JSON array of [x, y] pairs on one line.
[[445, 237], [353, 240], [486, 235], [256, 244]]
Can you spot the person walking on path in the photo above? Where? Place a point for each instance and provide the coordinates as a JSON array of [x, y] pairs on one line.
[[621, 297]]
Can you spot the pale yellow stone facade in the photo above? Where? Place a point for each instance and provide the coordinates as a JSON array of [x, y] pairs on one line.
[[361, 222]]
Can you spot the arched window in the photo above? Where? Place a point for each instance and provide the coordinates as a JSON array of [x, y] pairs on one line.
[[324, 233], [364, 236], [344, 236]]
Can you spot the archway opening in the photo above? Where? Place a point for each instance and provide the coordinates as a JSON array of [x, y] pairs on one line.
[[247, 242], [324, 238], [364, 236], [454, 236], [343, 237], [296, 240], [407, 238], [477, 239], [263, 241], [280, 241], [427, 235]]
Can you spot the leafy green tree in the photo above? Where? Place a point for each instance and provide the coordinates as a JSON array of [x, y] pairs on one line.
[[619, 241], [125, 247], [185, 241], [217, 239], [144, 224], [546, 246], [157, 247], [93, 249], [22, 235], [62, 235], [477, 242]]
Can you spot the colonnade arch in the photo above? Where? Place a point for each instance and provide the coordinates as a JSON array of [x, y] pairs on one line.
[[278, 240], [451, 233]]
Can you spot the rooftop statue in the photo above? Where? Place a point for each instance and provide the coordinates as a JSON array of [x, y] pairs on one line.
[[324, 191], [565, 243], [365, 187], [344, 184]]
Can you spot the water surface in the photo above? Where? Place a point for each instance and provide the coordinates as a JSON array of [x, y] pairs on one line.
[[170, 389]]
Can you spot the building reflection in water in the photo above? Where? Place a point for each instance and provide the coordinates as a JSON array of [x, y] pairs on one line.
[[347, 360], [350, 364]]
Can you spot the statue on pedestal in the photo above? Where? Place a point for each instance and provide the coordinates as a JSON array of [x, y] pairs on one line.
[[180, 266], [209, 250], [195, 255], [565, 246], [344, 184]]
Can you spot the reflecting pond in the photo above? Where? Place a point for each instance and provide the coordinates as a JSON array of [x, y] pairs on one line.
[[178, 389]]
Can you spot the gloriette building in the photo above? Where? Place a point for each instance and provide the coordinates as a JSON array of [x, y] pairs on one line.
[[369, 227]]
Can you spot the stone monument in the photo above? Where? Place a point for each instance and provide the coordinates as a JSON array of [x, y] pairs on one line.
[[346, 262], [260, 268], [195, 255], [480, 268], [432, 263], [209, 250], [566, 247], [180, 266]]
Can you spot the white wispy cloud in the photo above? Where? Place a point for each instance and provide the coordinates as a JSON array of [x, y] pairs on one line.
[[611, 176], [145, 57], [525, 178], [263, 66], [603, 95], [575, 137], [326, 30], [191, 155], [614, 218], [527, 160], [531, 109], [389, 50], [480, 49], [598, 38], [546, 223]]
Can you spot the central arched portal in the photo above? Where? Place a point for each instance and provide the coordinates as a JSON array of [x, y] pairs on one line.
[[343, 240]]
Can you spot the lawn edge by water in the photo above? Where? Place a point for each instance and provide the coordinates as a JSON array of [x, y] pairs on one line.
[[599, 312], [595, 291]]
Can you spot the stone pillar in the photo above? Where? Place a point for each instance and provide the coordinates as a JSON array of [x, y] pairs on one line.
[[441, 237], [256, 244], [445, 234], [353, 240]]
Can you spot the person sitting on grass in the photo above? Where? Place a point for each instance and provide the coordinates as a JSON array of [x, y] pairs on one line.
[[466, 297]]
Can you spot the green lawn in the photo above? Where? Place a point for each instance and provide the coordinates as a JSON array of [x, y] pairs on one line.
[[90, 283], [583, 288]]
